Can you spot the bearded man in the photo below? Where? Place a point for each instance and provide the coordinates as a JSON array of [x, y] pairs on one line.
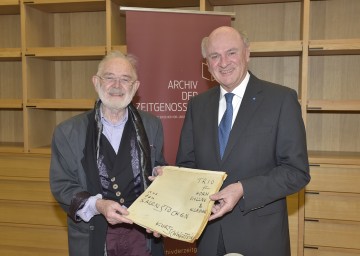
[[101, 162]]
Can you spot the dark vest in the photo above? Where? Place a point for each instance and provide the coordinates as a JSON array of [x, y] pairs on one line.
[[123, 183]]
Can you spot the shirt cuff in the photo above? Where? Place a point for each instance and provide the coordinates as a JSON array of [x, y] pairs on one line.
[[89, 210]]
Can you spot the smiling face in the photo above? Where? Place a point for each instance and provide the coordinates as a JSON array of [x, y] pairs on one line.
[[227, 56], [116, 83]]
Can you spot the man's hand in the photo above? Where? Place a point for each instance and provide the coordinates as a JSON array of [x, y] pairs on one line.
[[157, 171], [226, 199], [155, 234], [112, 211]]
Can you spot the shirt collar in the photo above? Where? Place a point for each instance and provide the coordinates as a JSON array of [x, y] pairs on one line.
[[106, 122], [239, 90]]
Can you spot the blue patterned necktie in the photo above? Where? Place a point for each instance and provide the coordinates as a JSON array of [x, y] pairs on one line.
[[225, 124]]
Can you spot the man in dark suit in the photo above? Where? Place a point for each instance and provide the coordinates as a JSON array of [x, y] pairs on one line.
[[264, 154]]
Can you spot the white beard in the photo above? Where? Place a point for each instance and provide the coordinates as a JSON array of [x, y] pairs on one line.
[[115, 103]]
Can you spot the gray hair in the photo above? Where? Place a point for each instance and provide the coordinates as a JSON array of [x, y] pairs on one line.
[[117, 54]]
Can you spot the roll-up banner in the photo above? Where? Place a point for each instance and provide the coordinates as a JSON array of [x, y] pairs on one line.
[[171, 70]]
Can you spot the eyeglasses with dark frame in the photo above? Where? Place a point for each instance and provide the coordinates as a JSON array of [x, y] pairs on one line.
[[125, 81]]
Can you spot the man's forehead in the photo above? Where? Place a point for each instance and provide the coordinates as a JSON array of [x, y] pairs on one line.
[[223, 45], [117, 65], [225, 35]]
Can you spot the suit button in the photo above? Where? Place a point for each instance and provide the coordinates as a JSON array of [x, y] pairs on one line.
[[115, 186], [112, 179], [118, 193], [122, 200]]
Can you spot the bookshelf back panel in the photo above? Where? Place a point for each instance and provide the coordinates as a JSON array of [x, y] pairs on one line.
[[280, 70], [10, 38], [272, 22], [45, 29], [61, 79], [80, 29], [40, 135], [10, 80], [39, 28], [11, 126], [333, 132], [334, 77], [73, 79], [334, 19], [40, 78], [41, 126]]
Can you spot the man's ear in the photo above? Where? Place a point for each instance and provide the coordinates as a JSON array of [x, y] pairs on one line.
[[136, 85], [248, 54], [95, 81]]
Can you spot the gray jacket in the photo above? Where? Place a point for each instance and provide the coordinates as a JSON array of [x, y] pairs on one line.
[[67, 176]]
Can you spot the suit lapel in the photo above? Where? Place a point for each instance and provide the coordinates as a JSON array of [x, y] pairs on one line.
[[211, 123], [213, 108], [252, 99]]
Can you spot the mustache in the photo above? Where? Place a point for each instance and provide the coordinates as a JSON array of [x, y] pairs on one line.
[[115, 91]]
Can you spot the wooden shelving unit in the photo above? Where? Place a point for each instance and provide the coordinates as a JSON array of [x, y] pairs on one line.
[[50, 49]]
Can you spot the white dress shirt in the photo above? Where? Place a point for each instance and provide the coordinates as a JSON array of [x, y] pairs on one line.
[[236, 102]]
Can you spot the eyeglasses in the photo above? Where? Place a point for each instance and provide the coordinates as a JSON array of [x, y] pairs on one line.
[[112, 80]]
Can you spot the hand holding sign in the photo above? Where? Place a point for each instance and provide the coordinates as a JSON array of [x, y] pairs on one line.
[[177, 203]]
